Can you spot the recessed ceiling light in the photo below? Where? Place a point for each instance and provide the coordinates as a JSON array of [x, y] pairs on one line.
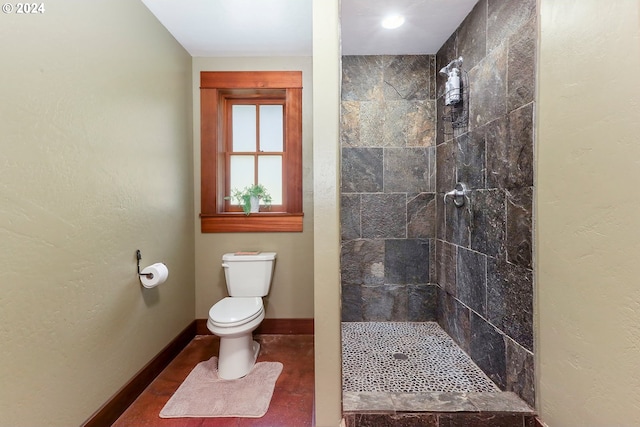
[[393, 21]]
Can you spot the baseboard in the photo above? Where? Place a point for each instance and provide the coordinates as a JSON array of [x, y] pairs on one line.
[[270, 326], [123, 398], [539, 423]]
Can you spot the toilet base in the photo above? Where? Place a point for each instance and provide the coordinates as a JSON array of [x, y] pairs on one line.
[[237, 356]]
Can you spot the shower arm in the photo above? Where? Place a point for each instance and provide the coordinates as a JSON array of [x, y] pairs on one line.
[[456, 63]]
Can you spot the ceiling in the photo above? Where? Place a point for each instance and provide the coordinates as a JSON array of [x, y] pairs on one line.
[[429, 23], [283, 27]]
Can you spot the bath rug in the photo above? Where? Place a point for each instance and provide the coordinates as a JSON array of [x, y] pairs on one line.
[[203, 394]]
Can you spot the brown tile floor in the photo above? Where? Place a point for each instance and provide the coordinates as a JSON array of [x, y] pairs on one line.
[[291, 404]]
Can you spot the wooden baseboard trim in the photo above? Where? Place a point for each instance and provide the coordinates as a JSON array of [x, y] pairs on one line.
[[108, 413], [270, 326], [286, 327]]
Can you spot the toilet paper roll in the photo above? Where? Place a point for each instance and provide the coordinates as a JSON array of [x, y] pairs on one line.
[[154, 275]]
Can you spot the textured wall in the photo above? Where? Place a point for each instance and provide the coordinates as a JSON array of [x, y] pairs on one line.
[[484, 250], [291, 293], [326, 244], [588, 227], [387, 189], [95, 132]]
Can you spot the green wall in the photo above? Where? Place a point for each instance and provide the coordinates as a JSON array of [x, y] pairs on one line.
[[95, 136], [291, 294]]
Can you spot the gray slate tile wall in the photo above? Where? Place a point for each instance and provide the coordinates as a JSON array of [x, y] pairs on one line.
[[388, 139], [484, 267], [408, 256]]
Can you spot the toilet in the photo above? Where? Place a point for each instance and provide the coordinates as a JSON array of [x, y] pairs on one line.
[[234, 318]]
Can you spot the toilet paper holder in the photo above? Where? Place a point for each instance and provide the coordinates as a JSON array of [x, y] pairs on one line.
[[139, 257]]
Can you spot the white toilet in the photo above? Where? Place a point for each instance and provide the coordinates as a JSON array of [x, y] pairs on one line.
[[235, 317]]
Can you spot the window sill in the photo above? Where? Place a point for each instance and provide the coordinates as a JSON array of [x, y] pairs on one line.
[[255, 222]]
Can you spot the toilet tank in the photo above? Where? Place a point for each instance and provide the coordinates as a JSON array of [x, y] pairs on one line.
[[248, 275]]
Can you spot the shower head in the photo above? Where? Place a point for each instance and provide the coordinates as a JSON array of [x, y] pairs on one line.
[[456, 63]]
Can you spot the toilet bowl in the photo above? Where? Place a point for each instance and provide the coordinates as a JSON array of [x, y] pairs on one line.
[[235, 317]]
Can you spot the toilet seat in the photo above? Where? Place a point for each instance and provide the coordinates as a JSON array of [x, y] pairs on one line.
[[235, 311]]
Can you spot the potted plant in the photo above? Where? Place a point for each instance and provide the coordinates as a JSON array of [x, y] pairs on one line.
[[249, 197]]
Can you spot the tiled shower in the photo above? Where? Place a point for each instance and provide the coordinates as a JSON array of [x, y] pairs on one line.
[[408, 256]]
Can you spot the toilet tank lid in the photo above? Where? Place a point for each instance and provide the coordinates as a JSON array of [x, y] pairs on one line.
[[249, 256]]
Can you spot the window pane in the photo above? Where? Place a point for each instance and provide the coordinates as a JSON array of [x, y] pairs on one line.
[[271, 134], [241, 174], [270, 175], [244, 127]]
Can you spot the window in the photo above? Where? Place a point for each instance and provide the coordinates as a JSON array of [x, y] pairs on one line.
[[255, 148], [251, 132]]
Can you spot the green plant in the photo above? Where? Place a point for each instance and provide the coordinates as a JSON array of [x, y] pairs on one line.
[[244, 196]]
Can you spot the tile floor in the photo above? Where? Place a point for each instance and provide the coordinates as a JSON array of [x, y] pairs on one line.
[[406, 357], [291, 404]]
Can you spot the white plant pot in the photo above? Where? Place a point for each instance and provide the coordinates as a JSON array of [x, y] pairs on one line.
[[255, 205]]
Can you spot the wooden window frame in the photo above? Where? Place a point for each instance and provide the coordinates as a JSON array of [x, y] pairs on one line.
[[215, 89]]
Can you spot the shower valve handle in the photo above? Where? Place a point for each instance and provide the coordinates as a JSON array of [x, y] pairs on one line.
[[458, 194]]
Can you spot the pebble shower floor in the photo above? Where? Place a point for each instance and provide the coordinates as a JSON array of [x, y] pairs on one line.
[[406, 357]]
